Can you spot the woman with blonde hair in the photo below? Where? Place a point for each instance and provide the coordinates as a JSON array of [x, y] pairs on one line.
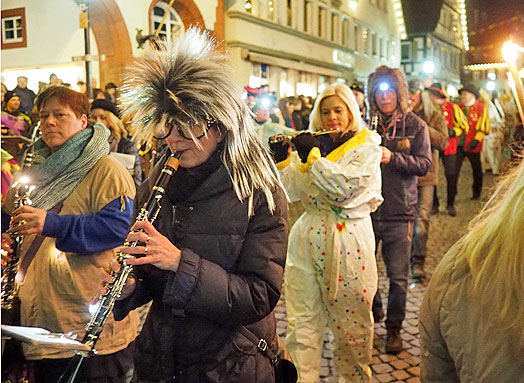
[[105, 112], [331, 274], [472, 316]]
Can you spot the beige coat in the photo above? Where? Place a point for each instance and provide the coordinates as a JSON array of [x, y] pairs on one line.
[[58, 286], [438, 136], [458, 341]]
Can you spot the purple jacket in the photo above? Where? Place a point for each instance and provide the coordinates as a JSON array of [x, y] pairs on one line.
[[399, 176]]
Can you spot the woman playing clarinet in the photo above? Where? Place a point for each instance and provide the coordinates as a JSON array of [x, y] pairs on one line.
[[331, 275], [213, 260]]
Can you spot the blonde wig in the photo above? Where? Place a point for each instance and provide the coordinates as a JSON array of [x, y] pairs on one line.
[[428, 105], [192, 83], [396, 79], [116, 126], [346, 95], [493, 249]]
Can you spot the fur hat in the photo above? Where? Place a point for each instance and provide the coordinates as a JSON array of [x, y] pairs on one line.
[[104, 104], [471, 89], [415, 85], [193, 82], [395, 78]]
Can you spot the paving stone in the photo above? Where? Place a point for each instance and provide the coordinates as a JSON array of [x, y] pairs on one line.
[[412, 360], [413, 330], [324, 371], [400, 375], [403, 355], [400, 365], [407, 336], [381, 368], [415, 371], [414, 351], [388, 358], [384, 378]]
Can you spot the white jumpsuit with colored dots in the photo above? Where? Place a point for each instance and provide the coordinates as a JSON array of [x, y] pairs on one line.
[[330, 275]]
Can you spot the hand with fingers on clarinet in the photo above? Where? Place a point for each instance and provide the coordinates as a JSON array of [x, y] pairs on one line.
[[157, 249]]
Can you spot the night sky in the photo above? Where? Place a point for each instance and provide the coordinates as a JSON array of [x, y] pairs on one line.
[[499, 10]]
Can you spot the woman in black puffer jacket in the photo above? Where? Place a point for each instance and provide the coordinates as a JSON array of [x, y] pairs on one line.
[[214, 259]]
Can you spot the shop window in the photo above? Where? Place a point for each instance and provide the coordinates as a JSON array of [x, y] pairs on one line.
[[374, 44], [270, 10], [322, 22], [289, 14], [172, 27], [365, 38], [406, 51], [14, 34], [334, 27], [345, 31], [308, 8], [356, 37]]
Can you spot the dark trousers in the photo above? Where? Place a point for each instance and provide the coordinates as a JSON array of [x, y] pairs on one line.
[[111, 368], [450, 171], [396, 251], [474, 160], [421, 228]]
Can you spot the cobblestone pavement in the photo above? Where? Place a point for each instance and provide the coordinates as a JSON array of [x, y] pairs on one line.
[[444, 232]]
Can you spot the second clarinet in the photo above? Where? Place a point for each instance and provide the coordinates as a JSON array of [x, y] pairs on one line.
[[106, 302]]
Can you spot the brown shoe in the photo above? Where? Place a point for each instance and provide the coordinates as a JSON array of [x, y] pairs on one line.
[[393, 342], [417, 271]]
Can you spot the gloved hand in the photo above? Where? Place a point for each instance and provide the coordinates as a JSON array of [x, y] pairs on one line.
[[451, 132], [473, 144], [304, 142], [279, 150]]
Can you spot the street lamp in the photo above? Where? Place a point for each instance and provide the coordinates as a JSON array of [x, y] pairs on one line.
[[428, 66], [510, 52]]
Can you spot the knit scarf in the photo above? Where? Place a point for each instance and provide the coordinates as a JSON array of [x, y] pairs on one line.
[[56, 175]]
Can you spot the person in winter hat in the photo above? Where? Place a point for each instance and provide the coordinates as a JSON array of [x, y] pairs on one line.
[[406, 155]]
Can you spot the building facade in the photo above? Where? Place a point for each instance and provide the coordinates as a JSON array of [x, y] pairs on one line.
[[437, 38], [294, 46]]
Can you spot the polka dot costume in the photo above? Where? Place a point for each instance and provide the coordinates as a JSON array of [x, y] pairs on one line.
[[330, 275]]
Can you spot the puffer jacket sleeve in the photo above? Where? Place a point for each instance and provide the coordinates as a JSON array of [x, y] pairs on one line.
[[418, 161], [203, 288], [436, 364]]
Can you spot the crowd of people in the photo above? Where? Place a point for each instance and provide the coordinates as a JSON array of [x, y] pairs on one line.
[[363, 162]]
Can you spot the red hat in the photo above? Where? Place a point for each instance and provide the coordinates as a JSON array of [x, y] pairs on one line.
[[436, 89], [251, 91]]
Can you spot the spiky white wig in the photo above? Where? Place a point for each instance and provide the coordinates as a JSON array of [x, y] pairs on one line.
[[193, 82]]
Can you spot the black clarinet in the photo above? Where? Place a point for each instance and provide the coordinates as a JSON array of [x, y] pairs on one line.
[[106, 302], [9, 293]]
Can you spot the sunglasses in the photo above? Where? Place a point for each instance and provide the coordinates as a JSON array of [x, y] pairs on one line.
[[198, 128]]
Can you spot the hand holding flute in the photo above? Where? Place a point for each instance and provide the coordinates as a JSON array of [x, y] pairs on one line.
[[302, 141]]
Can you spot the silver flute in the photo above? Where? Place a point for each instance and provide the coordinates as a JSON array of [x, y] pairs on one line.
[[282, 137]]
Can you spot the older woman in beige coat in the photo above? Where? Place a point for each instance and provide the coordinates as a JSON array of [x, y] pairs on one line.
[[472, 316]]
